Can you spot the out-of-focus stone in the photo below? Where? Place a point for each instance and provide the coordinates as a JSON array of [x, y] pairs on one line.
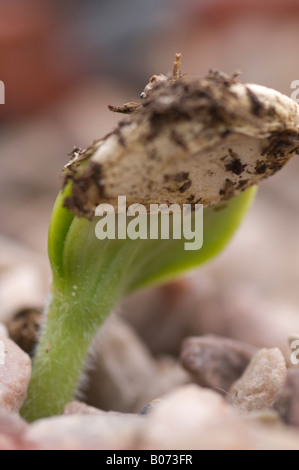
[[12, 432], [163, 316], [122, 373], [27, 281], [23, 328], [86, 432], [79, 408], [241, 313], [3, 330], [194, 418], [212, 301], [262, 380], [186, 416], [287, 400], [214, 361], [267, 416], [15, 372], [147, 409]]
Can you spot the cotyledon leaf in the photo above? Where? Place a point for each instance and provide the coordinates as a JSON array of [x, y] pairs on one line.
[[80, 257]]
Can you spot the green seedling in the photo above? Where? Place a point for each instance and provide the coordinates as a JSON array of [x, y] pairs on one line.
[[187, 141]]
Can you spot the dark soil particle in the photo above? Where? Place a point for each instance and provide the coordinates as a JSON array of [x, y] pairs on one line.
[[178, 139], [235, 166], [242, 184], [256, 106], [87, 190], [23, 329], [260, 168], [228, 190], [180, 177], [185, 186]]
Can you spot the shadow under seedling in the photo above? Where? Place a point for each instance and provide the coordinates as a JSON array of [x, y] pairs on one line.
[[188, 141]]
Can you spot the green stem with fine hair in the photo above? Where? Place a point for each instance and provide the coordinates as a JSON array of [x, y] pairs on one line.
[[59, 360], [61, 354]]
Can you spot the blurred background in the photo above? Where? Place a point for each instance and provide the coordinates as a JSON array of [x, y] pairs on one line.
[[62, 64]]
